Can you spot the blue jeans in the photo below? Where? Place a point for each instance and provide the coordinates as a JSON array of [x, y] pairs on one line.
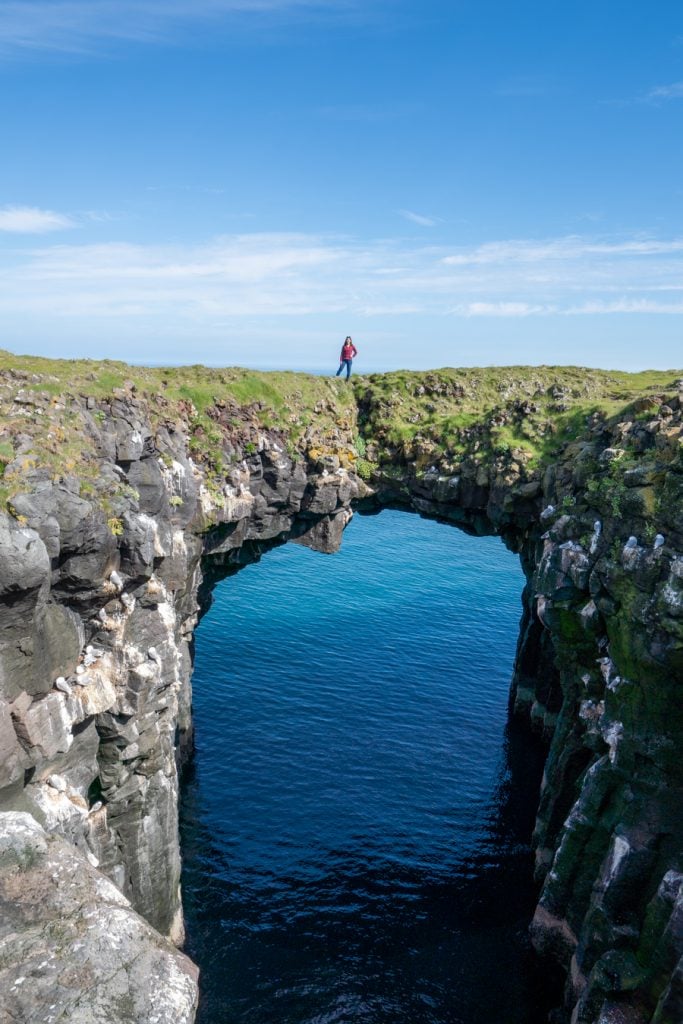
[[342, 364]]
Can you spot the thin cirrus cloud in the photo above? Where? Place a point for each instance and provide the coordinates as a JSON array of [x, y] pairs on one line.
[[672, 91], [29, 220], [79, 26], [504, 309], [260, 274], [419, 218], [567, 248]]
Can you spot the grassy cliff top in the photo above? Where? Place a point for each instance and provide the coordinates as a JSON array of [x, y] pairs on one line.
[[482, 387], [201, 385], [486, 411], [532, 409]]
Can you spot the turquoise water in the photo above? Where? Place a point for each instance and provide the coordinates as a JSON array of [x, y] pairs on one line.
[[356, 819]]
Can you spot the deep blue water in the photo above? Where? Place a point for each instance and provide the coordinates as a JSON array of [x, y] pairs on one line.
[[356, 819]]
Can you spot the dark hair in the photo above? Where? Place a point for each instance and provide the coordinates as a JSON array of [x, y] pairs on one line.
[[347, 338]]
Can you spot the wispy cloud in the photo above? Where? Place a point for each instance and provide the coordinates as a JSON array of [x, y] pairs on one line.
[[672, 91], [209, 190], [29, 220], [80, 26], [569, 247], [252, 275], [97, 217], [505, 309], [419, 218], [626, 306]]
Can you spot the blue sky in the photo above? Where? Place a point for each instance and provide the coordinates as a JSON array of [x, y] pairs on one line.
[[452, 182]]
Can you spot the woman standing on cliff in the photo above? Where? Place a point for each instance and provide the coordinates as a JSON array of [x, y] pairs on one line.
[[348, 353]]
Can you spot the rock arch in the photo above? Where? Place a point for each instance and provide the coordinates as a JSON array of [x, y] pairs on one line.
[[98, 613]]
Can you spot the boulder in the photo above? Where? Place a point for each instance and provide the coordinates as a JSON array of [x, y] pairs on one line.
[[13, 760], [145, 476], [72, 948], [24, 582]]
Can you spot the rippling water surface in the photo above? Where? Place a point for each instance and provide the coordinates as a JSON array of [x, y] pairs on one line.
[[355, 823]]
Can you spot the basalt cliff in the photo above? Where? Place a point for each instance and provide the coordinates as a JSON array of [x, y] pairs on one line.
[[126, 493]]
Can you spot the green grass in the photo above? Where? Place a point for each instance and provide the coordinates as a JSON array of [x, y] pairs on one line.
[[535, 410], [201, 385], [219, 409], [476, 412]]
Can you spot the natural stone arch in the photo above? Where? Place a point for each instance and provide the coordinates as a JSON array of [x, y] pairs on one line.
[[608, 834]]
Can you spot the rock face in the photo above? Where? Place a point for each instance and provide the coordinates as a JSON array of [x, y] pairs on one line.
[[105, 566], [71, 946]]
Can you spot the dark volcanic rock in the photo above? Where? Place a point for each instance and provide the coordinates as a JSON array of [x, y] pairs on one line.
[[24, 586]]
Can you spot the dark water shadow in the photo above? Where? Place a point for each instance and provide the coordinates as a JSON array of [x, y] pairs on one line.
[[353, 941]]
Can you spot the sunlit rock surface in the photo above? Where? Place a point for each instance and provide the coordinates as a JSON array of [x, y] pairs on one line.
[[71, 947]]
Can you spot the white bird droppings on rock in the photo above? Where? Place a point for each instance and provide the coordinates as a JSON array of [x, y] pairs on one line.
[[620, 850], [597, 530]]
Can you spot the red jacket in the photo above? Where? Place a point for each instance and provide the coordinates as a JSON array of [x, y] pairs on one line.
[[348, 351]]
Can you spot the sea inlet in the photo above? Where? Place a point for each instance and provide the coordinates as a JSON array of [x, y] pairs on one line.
[[357, 815]]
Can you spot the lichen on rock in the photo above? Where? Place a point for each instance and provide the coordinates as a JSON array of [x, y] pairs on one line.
[[72, 948]]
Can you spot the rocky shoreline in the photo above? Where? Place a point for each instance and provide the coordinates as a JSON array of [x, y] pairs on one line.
[[107, 558]]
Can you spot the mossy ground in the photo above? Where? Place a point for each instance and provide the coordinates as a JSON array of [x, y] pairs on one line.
[[498, 410], [211, 405], [278, 393], [530, 413]]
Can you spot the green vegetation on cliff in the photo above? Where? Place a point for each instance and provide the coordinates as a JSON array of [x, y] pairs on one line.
[[284, 398], [530, 411], [53, 412]]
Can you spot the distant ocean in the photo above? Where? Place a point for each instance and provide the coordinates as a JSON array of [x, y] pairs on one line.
[[328, 370], [356, 821]]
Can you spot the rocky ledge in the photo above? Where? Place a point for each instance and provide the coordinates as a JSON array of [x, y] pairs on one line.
[[71, 946], [129, 492]]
